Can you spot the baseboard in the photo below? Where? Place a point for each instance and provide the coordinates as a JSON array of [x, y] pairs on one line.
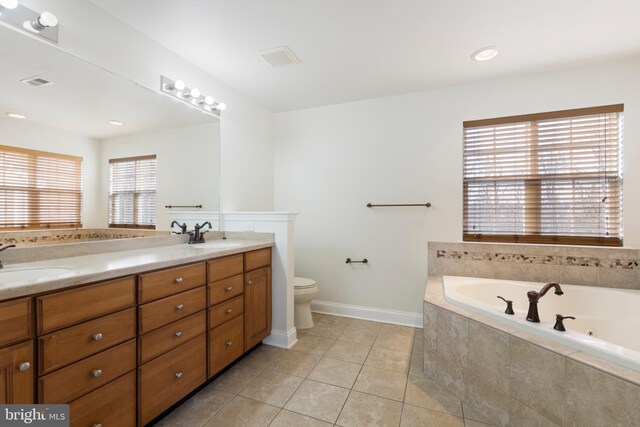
[[403, 318], [282, 339]]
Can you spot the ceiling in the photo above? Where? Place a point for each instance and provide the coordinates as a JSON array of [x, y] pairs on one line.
[[84, 97], [358, 49]]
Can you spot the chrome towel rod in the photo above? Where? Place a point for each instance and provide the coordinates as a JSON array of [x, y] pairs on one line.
[[427, 205], [350, 261], [184, 206]]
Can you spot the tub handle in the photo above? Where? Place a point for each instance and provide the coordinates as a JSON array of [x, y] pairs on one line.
[[509, 309], [559, 326]]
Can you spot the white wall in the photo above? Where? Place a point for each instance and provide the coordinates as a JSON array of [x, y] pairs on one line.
[[187, 166], [331, 161], [19, 134], [246, 127]]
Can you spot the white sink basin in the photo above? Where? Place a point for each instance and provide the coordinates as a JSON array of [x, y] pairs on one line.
[[216, 245], [9, 275]]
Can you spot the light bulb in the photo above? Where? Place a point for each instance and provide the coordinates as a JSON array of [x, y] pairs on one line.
[[45, 20], [178, 85], [208, 100], [221, 106], [194, 93], [8, 4]]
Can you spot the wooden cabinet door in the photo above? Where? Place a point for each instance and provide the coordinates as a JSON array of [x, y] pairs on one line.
[[16, 374], [257, 306]]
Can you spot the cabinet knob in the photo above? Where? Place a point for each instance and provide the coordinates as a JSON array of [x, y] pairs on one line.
[[178, 279], [178, 375], [249, 282], [228, 289], [180, 307], [179, 334], [229, 311], [24, 366], [229, 343], [96, 373], [97, 336]]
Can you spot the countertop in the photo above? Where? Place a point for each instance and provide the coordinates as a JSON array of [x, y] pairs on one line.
[[104, 266]]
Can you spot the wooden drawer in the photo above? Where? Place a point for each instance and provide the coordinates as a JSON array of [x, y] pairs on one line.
[[257, 259], [67, 308], [71, 382], [113, 404], [225, 289], [161, 340], [76, 342], [225, 311], [163, 283], [224, 267], [225, 344], [16, 384], [169, 309], [15, 321], [168, 378]]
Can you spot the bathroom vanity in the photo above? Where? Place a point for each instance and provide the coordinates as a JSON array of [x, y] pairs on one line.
[[121, 351]]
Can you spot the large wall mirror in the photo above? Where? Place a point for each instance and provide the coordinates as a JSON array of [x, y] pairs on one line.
[[74, 109]]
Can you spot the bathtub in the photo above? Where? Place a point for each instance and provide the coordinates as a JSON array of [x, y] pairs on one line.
[[607, 322]]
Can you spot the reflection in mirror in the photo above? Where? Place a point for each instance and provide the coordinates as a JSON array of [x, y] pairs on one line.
[[72, 109]]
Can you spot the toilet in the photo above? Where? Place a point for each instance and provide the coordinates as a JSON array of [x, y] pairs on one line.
[[305, 290]]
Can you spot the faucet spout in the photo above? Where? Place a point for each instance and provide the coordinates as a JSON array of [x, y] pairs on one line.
[[4, 249], [534, 297]]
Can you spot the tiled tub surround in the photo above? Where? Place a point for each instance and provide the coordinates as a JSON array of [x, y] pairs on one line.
[[73, 235], [514, 378]]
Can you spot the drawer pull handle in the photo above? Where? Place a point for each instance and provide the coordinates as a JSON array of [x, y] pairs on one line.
[[229, 343], [229, 311], [96, 373], [178, 334], [178, 375], [178, 279], [249, 282], [97, 337], [180, 307], [228, 289], [24, 366]]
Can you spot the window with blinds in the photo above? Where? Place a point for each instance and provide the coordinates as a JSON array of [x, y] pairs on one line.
[[132, 192], [545, 178], [39, 189]]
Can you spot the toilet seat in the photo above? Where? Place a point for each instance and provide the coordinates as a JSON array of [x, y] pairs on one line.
[[303, 283]]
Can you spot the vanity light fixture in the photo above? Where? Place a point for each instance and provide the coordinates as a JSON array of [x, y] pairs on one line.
[[44, 20], [8, 5], [485, 53], [116, 123], [16, 116], [178, 90]]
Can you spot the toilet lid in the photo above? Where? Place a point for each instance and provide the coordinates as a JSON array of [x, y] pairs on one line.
[[303, 283]]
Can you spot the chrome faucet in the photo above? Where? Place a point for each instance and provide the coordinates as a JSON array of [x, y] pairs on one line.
[[532, 315], [196, 235], [4, 249]]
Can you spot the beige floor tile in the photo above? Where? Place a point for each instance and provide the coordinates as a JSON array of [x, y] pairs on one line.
[[412, 416], [296, 363], [417, 364], [271, 387], [164, 423], [198, 409], [398, 330], [243, 412], [338, 321], [316, 316], [300, 333], [362, 333], [390, 360], [313, 344], [328, 329], [381, 382], [425, 393], [349, 352], [291, 419], [389, 339], [263, 356], [365, 410], [318, 400], [237, 378], [335, 372]]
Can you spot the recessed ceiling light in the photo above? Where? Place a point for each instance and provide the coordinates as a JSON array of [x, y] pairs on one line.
[[484, 54], [116, 123], [16, 116]]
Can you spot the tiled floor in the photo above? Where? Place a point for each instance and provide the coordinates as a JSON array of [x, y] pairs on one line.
[[342, 372]]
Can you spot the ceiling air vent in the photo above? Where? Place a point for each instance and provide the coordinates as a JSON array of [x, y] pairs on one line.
[[280, 56], [37, 81]]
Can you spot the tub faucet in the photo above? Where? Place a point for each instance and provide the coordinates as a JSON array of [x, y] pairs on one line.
[[532, 315], [4, 249]]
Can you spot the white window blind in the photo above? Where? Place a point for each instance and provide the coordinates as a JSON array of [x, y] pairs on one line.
[[545, 178], [39, 189], [132, 192]]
